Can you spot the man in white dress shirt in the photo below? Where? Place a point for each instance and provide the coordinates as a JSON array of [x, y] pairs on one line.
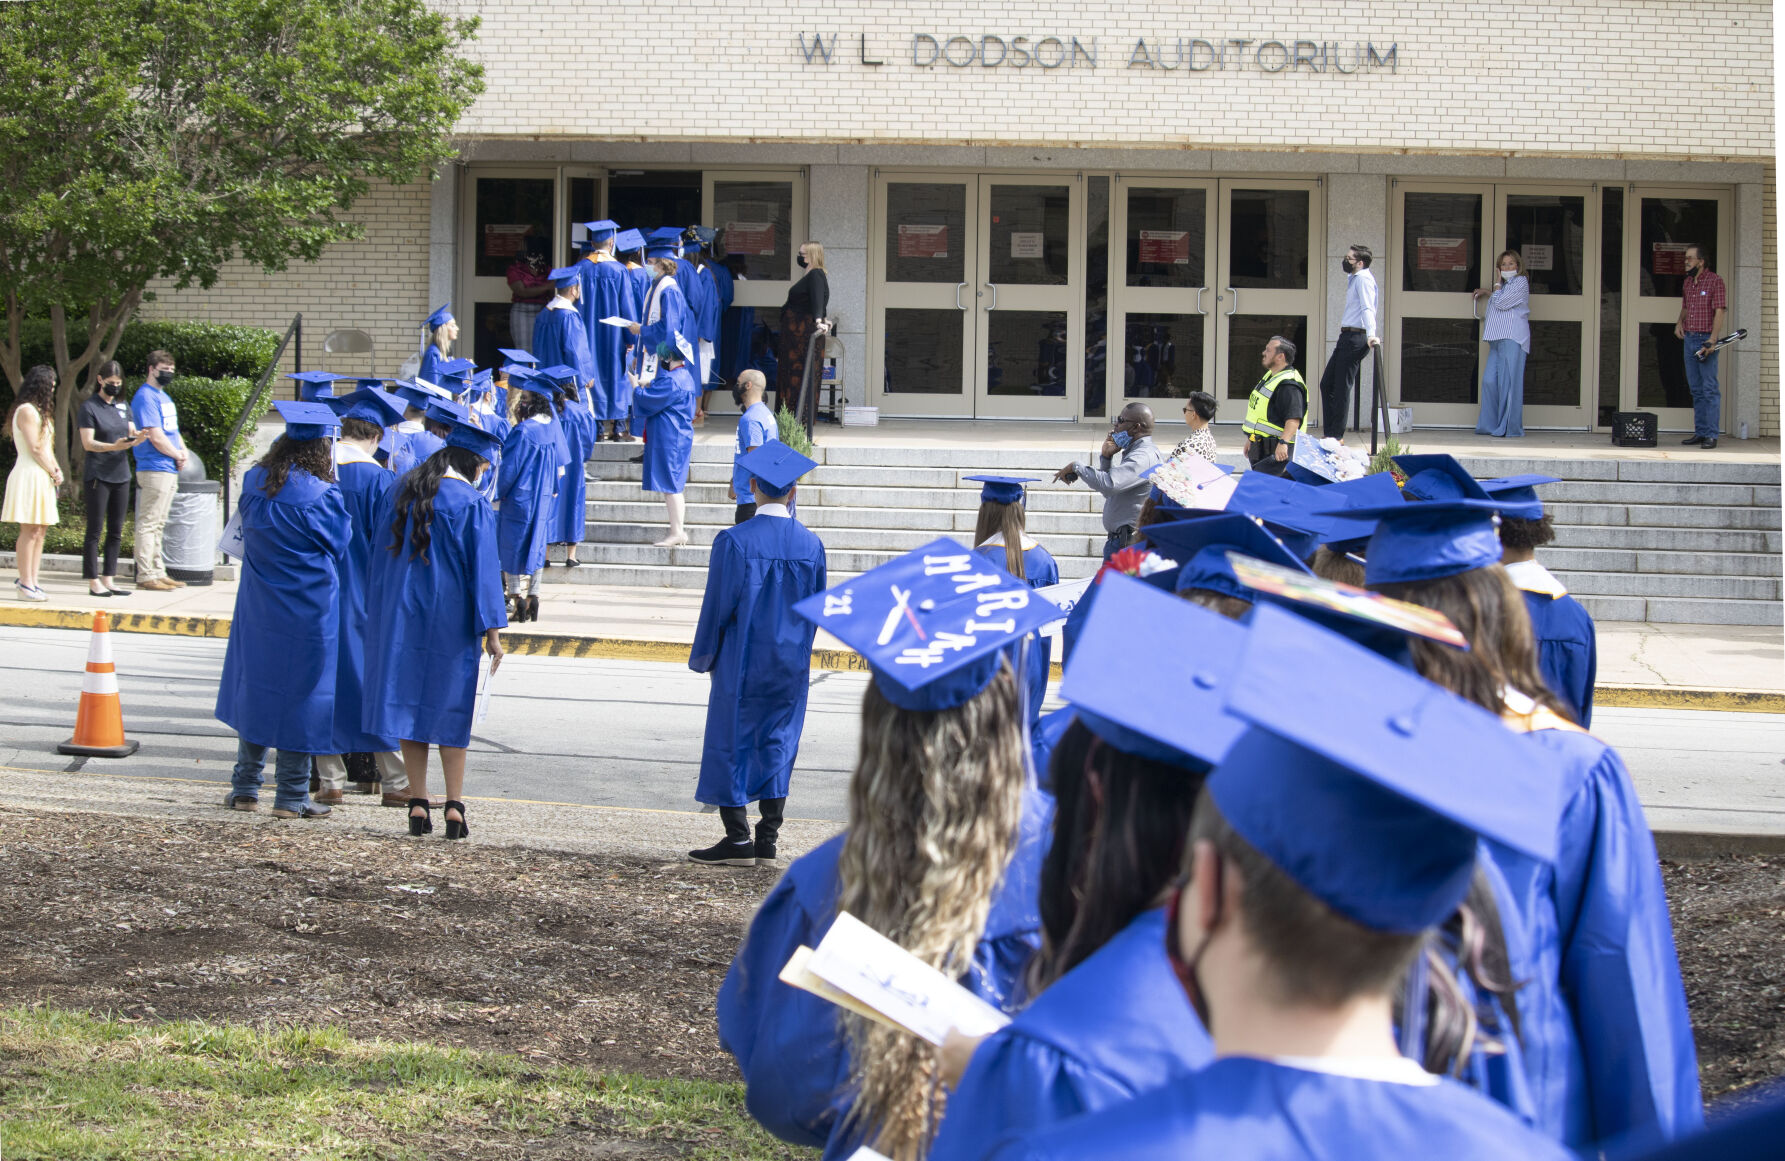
[[1357, 334]]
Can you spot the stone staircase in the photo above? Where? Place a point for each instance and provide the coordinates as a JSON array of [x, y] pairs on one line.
[[1637, 540]]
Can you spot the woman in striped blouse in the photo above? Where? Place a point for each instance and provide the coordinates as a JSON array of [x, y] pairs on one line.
[[1508, 337]]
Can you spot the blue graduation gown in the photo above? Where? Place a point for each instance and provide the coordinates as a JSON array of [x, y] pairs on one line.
[[1114, 1027], [1567, 650], [1040, 571], [570, 512], [759, 655], [675, 324], [491, 421], [667, 403], [1608, 1040], [409, 448], [725, 292], [790, 1045], [363, 488], [606, 293], [703, 301], [1043, 737], [431, 358], [425, 621], [560, 339], [526, 490], [278, 683], [1244, 1107]]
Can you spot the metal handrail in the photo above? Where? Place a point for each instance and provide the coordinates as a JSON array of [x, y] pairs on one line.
[[295, 330]]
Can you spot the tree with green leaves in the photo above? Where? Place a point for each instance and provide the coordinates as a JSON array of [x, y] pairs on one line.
[[160, 139]]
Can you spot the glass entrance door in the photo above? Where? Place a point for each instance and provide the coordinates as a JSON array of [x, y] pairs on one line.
[[1269, 236], [1557, 239], [1162, 343], [926, 297], [513, 212], [1028, 294], [1666, 222], [1431, 337]]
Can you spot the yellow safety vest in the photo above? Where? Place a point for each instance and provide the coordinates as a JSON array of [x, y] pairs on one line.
[[1258, 408]]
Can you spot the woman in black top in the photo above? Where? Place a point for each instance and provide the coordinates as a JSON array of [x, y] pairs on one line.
[[107, 435], [802, 313]]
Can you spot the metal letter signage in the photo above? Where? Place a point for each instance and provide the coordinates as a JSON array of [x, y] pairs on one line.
[[1157, 55]]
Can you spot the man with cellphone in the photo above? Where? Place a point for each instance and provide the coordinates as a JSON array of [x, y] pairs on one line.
[[1123, 482]]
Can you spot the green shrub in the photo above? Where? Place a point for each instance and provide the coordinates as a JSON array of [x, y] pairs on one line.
[[208, 409], [68, 536], [792, 432], [206, 350]]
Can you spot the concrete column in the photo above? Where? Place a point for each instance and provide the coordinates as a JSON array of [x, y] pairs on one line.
[[837, 207], [1741, 363], [1356, 214], [443, 244]]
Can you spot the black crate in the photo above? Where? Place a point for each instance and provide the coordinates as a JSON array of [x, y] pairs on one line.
[[1635, 429]]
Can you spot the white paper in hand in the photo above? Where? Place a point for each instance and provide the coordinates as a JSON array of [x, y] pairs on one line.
[[866, 1154], [614, 320], [857, 960], [231, 543], [481, 707]]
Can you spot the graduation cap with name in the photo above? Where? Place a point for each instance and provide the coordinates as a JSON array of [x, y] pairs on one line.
[[467, 435], [1201, 547], [1001, 489], [778, 466], [663, 242], [934, 625], [1517, 495], [440, 317], [308, 420], [1378, 623], [371, 404], [1431, 539], [563, 277], [1438, 476], [515, 355], [314, 385], [1163, 702], [1368, 785], [626, 241]]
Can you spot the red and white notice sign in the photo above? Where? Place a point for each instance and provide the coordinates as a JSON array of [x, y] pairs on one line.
[[750, 238], [1667, 258], [503, 241], [923, 241], [1166, 247], [1442, 254]]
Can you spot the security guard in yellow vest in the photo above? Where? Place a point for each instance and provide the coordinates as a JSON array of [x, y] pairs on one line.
[[1275, 411]]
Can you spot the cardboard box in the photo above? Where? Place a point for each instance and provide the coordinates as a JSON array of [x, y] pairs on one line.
[[1400, 420]]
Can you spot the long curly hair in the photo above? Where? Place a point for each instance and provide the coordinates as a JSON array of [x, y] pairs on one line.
[[934, 809], [38, 388], [415, 497], [306, 455]]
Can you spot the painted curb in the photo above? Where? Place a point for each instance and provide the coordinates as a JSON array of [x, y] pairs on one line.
[[527, 644]]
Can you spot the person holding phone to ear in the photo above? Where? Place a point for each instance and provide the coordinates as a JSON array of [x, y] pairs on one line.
[[1508, 336], [107, 435]]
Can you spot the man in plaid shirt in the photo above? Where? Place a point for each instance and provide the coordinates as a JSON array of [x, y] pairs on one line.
[[1702, 307]]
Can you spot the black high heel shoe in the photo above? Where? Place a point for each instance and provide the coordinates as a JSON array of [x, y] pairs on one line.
[[455, 827], [532, 607], [424, 824]]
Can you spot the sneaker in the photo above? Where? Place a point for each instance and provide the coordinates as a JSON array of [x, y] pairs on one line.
[[238, 802], [765, 854], [308, 810], [726, 853]]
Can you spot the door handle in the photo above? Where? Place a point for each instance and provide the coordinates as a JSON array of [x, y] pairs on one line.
[[993, 287], [958, 304], [1234, 290], [1200, 291], [1475, 307]]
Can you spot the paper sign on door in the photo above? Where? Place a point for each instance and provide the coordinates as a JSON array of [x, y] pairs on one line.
[[923, 241], [1026, 245]]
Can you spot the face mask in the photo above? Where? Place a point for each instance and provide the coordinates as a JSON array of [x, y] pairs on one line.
[[737, 396], [109, 389], [164, 377], [801, 259], [1348, 266], [1509, 275], [1121, 439]]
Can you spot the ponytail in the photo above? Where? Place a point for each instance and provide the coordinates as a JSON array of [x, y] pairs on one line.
[[415, 497]]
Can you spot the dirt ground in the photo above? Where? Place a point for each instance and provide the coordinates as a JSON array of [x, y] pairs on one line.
[[612, 963]]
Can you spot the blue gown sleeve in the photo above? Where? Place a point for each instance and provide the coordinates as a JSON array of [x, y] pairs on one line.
[[659, 395], [1619, 967], [719, 604], [1015, 1082], [489, 608]]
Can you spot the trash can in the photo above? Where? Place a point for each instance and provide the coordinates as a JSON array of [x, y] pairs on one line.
[[189, 542]]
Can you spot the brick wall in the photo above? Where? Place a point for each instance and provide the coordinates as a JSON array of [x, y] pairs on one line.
[[1769, 298], [1520, 76], [378, 284]]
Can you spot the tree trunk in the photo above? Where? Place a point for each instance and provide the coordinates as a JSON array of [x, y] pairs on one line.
[[105, 327]]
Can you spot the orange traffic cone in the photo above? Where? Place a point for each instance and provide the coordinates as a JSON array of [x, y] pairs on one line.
[[99, 724]]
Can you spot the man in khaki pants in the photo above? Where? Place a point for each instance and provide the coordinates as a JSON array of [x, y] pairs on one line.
[[158, 463]]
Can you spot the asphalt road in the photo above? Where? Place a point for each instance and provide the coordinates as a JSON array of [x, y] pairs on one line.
[[628, 733]]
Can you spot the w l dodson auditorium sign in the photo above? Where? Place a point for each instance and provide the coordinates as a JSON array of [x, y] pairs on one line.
[[1191, 54]]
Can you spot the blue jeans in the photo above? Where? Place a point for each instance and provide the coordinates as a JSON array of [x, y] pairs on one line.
[[1503, 390], [291, 771], [1701, 380]]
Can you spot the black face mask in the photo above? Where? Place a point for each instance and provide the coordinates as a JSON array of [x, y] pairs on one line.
[[110, 389], [1348, 266], [801, 259], [737, 396], [164, 377]]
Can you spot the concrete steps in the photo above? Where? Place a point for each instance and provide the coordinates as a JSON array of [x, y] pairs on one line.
[[1636, 540]]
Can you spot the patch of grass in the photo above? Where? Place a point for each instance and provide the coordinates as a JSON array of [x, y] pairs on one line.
[[74, 1085]]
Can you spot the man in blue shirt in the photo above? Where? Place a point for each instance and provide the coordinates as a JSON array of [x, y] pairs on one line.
[[158, 463], [1357, 334], [756, 426]]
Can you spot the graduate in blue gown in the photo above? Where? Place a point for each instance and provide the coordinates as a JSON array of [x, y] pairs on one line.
[[725, 361], [1000, 537], [1340, 827], [629, 245], [703, 308], [917, 863], [438, 334], [410, 441], [559, 337], [1110, 1021], [1567, 642], [278, 684], [606, 292], [664, 315], [1607, 1036], [434, 607], [527, 495], [759, 654], [667, 404], [570, 513]]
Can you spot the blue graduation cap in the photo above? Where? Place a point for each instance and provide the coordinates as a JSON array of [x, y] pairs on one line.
[[1301, 475], [592, 233], [1345, 534], [1438, 476], [1001, 489], [1163, 702], [455, 385], [1425, 541], [370, 404], [692, 242], [663, 242], [313, 385], [535, 382], [472, 438], [558, 373], [778, 466], [1380, 624], [440, 317], [934, 625], [1370, 786], [419, 391], [704, 235], [368, 382], [459, 366], [1517, 495], [446, 411], [626, 241], [515, 355], [563, 277], [308, 420], [1201, 546], [1298, 510]]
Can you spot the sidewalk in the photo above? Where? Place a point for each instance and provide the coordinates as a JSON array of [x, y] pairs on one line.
[[1639, 662]]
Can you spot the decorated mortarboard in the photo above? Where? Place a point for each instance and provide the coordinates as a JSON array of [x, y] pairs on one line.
[[778, 466], [1164, 702], [314, 385], [934, 625], [440, 317], [371, 404], [563, 277], [1368, 785], [1425, 541], [1437, 477], [704, 235], [446, 411], [1295, 472], [1345, 534], [1201, 546], [1190, 484], [308, 420], [467, 435], [626, 241], [1378, 623], [516, 355], [1001, 489], [559, 373], [1517, 495]]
